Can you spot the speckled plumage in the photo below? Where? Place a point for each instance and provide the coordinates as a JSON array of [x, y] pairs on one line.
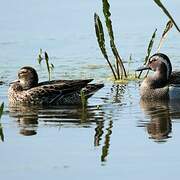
[[159, 84], [27, 90]]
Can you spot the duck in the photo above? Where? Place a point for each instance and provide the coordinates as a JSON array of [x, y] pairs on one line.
[[27, 90], [164, 83]]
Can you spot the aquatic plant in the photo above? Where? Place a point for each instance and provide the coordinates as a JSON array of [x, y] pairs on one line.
[[118, 68], [83, 100], [44, 56], [149, 49], [1, 129], [167, 28], [159, 3]]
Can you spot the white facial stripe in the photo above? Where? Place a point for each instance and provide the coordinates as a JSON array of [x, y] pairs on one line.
[[168, 65]]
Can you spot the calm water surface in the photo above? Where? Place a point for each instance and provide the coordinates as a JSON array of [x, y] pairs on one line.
[[117, 136]]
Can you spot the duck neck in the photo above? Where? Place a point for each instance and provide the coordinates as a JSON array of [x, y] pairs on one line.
[[159, 79]]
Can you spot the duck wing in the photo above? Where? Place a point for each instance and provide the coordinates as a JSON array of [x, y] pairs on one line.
[[65, 81], [90, 89], [175, 78], [54, 92]]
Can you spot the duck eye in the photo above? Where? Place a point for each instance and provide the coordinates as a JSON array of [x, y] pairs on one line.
[[152, 60], [21, 74]]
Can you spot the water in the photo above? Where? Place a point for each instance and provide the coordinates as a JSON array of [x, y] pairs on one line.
[[117, 135]]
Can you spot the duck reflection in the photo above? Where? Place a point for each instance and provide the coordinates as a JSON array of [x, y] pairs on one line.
[[27, 118], [160, 125], [101, 116]]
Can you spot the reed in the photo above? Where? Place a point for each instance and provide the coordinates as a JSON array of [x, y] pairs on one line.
[[159, 3], [117, 68], [83, 100], [149, 49], [167, 29], [44, 56]]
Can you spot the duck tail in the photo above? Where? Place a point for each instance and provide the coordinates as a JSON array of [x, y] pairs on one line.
[[90, 89]]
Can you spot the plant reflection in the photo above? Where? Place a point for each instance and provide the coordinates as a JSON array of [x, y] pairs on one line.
[[105, 148], [1, 133], [30, 118], [117, 92], [1, 128], [160, 125], [105, 127]]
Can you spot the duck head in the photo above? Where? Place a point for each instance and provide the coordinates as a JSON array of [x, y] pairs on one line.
[[160, 64], [27, 78]]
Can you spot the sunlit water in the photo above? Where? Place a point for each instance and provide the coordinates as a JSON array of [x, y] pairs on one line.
[[116, 136]]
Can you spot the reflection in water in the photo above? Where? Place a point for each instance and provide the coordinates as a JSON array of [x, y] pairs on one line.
[[1, 133], [103, 128], [98, 133], [29, 118], [105, 148], [117, 92], [159, 126], [98, 137], [1, 128]]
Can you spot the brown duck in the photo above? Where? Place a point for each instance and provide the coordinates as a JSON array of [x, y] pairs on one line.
[[27, 90]]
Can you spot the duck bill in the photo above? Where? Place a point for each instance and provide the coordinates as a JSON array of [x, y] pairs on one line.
[[15, 81], [142, 68]]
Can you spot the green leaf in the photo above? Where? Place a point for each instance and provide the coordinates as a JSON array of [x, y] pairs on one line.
[[119, 63], [159, 3], [39, 59], [101, 41], [168, 27], [149, 49], [107, 14], [100, 34], [150, 46], [52, 67]]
